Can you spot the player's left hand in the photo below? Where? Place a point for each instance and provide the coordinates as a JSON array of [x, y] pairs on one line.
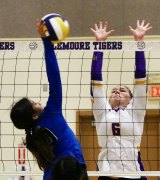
[[100, 31], [140, 30]]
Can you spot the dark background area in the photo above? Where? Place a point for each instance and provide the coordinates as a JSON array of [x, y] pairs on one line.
[[17, 17]]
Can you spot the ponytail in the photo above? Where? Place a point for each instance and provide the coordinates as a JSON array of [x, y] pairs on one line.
[[39, 144]]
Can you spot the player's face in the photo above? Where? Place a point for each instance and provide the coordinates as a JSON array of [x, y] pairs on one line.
[[120, 97], [38, 108]]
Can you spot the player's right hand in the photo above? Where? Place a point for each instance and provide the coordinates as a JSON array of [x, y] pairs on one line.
[[39, 27]]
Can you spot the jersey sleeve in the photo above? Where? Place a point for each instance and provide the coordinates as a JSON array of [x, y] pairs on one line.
[[97, 90], [140, 90], [54, 103]]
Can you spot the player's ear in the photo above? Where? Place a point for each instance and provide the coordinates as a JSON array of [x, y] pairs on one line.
[[35, 116], [131, 95]]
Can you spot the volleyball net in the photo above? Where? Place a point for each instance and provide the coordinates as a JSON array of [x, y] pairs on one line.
[[23, 73]]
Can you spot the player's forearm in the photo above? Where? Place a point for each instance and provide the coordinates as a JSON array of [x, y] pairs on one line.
[[140, 90], [47, 44], [96, 70], [53, 75], [96, 67], [140, 65], [51, 61]]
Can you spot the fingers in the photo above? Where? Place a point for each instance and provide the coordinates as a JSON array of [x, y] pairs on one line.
[[147, 29], [109, 32], [105, 25], [131, 29], [96, 27], [37, 23], [100, 26], [39, 27], [92, 30], [142, 24], [147, 25]]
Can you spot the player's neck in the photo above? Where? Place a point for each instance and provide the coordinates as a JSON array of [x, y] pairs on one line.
[[119, 107]]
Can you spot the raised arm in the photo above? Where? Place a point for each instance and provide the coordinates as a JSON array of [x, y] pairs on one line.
[[54, 103], [140, 91], [140, 64], [97, 92]]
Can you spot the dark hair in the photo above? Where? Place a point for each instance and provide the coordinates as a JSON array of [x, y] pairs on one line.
[[67, 168], [130, 93], [21, 114], [37, 141]]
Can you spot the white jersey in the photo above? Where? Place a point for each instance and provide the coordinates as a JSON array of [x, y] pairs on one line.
[[119, 132]]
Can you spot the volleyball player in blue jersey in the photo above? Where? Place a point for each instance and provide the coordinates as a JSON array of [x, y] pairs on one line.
[[119, 119], [48, 136]]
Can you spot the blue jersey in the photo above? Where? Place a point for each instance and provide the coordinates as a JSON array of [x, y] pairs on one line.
[[52, 117]]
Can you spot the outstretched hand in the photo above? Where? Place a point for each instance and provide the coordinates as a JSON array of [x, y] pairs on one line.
[[140, 30], [39, 27], [100, 31]]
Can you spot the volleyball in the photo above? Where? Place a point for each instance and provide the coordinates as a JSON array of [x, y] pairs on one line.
[[56, 27]]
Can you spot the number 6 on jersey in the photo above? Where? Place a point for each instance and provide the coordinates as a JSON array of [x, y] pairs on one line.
[[116, 129]]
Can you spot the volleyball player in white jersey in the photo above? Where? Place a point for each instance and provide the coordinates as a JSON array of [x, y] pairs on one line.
[[120, 118]]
